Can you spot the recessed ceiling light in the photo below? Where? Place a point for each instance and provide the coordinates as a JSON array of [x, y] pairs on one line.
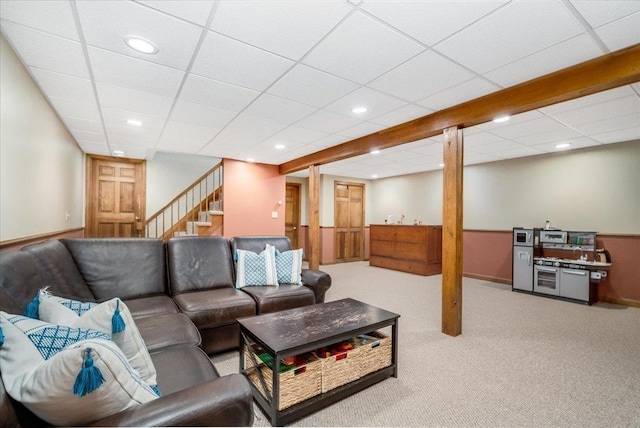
[[562, 145], [134, 122], [118, 153], [374, 176], [358, 110], [251, 160], [501, 119], [141, 45], [375, 152], [280, 146]]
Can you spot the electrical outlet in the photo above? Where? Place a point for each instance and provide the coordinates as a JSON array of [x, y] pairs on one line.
[[274, 214], [603, 274]]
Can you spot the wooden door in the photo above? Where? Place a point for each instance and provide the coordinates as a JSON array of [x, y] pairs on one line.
[[349, 222], [292, 214], [116, 195]]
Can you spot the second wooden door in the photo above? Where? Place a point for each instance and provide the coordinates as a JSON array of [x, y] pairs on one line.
[[349, 222]]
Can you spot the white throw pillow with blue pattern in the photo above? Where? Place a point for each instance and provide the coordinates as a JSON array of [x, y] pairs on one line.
[[102, 317], [289, 266], [256, 269], [64, 375]]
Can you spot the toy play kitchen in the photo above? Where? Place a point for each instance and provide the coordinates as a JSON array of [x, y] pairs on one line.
[[557, 263]]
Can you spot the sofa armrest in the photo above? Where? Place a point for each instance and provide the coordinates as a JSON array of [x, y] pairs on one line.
[[226, 401], [318, 281]]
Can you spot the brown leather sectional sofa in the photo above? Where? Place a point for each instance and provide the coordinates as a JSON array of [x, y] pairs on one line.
[[182, 296]]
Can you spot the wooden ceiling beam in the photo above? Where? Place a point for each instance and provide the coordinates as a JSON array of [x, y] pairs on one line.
[[600, 74]]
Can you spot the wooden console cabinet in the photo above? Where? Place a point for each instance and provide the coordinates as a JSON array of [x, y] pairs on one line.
[[413, 249]]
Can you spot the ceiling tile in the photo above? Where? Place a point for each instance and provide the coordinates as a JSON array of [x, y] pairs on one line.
[[424, 75], [76, 110], [92, 137], [622, 33], [615, 123], [133, 101], [589, 100], [524, 28], [139, 152], [480, 138], [518, 152], [401, 115], [120, 117], [438, 19], [573, 51], [361, 130], [555, 136], [576, 143], [255, 126], [300, 24], [531, 127], [145, 136], [230, 61], [83, 125], [492, 148], [213, 93], [196, 11], [460, 93], [185, 137], [279, 109], [518, 118], [64, 86], [141, 75], [53, 17], [476, 158], [326, 121], [361, 49], [376, 103], [618, 136], [601, 111], [297, 134], [127, 141], [45, 51], [197, 114], [309, 86], [94, 148], [601, 12], [105, 24]]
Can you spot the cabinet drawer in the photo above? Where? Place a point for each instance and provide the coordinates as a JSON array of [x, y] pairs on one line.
[[411, 234], [381, 248], [382, 233]]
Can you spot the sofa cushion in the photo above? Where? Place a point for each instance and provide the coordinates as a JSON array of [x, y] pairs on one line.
[[67, 376], [59, 270], [199, 263], [259, 243], [273, 299], [20, 280], [127, 268], [212, 308], [180, 368], [102, 317], [167, 330], [256, 269], [151, 306]]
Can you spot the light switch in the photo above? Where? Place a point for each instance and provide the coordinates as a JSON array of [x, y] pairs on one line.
[[274, 214]]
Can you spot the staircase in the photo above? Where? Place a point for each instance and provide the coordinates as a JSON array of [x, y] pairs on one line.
[[198, 210]]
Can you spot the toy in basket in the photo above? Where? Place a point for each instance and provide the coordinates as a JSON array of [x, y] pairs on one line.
[[338, 364], [300, 375]]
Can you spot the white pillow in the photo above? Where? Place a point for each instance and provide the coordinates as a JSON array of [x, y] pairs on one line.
[[112, 317], [289, 266], [64, 375], [256, 269]]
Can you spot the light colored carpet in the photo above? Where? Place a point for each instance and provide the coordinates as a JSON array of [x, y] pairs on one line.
[[521, 360]]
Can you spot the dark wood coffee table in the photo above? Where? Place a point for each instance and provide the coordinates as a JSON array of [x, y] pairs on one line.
[[300, 330]]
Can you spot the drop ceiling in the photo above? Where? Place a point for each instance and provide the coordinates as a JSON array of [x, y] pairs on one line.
[[233, 79]]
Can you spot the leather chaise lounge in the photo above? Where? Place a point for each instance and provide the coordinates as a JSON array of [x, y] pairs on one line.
[[183, 298]]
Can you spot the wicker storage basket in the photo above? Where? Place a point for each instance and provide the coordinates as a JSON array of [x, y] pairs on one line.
[[339, 369], [296, 385], [374, 352]]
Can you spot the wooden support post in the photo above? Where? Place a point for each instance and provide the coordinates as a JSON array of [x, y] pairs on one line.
[[314, 217], [452, 232]]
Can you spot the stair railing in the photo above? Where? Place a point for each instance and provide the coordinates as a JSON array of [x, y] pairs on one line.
[[181, 214]]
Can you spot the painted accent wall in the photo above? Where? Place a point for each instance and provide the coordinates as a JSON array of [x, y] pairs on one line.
[[251, 194], [41, 166]]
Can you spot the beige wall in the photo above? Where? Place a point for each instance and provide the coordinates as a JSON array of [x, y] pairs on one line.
[[168, 174], [41, 166], [597, 189]]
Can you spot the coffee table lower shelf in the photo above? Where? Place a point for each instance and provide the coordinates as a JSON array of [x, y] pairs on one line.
[[322, 400]]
